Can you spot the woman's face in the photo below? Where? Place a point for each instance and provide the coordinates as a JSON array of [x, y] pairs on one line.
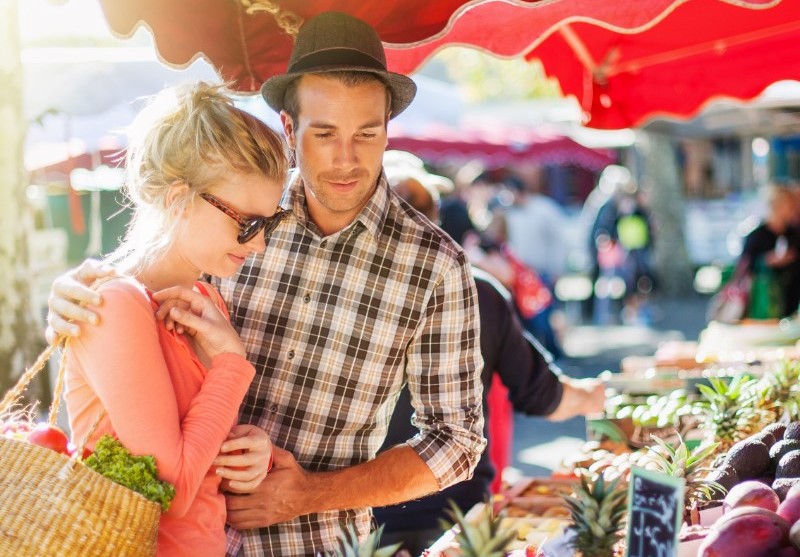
[[207, 238]]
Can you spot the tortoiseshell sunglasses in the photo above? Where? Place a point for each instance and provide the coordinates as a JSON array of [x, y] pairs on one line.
[[248, 226]]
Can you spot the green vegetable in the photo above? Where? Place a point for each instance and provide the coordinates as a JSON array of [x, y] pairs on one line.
[[111, 459]]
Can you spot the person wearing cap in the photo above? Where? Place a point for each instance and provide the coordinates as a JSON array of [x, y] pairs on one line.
[[356, 296], [536, 386]]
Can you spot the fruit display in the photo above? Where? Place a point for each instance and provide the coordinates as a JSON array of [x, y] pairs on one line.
[[612, 459], [733, 439], [651, 411]]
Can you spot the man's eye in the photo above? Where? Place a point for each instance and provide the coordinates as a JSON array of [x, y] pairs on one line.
[[324, 135]]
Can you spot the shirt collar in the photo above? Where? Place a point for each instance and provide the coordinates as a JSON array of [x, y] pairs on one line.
[[371, 217]]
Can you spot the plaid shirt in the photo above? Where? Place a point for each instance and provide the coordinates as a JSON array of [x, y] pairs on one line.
[[335, 326]]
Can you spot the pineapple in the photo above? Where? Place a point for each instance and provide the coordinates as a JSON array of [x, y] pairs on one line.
[[598, 514], [482, 536], [678, 462], [351, 547], [777, 393], [730, 410]]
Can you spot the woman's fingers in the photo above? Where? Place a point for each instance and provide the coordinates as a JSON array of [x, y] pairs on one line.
[[244, 485], [188, 320], [183, 298], [164, 309]]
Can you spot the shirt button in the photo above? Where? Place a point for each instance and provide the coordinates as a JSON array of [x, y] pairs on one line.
[[324, 244], [306, 298], [273, 408], [291, 354]]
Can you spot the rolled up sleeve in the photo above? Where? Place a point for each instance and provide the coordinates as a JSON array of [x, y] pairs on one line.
[[444, 367]]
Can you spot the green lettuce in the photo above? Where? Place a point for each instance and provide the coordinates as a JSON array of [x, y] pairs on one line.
[[111, 459]]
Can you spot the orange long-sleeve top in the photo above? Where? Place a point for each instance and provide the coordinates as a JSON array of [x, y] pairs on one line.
[[161, 401]]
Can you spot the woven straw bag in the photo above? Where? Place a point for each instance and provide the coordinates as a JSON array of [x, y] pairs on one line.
[[52, 505]]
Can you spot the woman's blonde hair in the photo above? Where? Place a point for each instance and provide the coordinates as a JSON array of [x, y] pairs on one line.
[[188, 135]]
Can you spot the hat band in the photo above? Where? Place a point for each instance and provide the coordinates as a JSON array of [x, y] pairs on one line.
[[336, 57]]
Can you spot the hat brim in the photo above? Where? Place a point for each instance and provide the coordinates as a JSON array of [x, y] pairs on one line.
[[402, 87]]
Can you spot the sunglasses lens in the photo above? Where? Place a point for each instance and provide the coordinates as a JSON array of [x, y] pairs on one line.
[[273, 222], [251, 228], [254, 226]]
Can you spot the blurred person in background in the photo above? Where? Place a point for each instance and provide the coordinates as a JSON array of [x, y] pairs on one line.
[[515, 364], [600, 213], [490, 251], [536, 225], [771, 253], [634, 233]]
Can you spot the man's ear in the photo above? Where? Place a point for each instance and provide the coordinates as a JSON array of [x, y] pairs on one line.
[[288, 129]]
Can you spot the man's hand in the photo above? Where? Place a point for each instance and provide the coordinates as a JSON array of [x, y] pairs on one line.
[[780, 260], [282, 496], [288, 491], [69, 296], [581, 397]]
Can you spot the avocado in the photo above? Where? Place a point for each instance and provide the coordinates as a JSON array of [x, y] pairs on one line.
[[726, 477], [777, 430], [781, 448], [789, 465], [765, 437], [792, 431], [750, 458], [781, 486]]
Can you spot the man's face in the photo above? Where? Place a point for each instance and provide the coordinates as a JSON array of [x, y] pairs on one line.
[[338, 139]]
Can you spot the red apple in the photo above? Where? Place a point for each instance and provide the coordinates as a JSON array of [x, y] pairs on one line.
[[50, 437]]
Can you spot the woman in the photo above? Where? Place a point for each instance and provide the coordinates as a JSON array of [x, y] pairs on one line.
[[771, 253], [205, 179]]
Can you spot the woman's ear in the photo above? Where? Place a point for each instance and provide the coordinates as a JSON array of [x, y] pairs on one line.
[[177, 190]]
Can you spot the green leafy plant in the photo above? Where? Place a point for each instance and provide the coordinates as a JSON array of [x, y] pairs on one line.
[[598, 514], [352, 547], [679, 462], [481, 537], [111, 459]]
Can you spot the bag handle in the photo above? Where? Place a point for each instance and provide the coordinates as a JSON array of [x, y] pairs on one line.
[[13, 394]]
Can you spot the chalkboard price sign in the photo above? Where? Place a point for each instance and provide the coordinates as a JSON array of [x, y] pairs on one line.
[[655, 511]]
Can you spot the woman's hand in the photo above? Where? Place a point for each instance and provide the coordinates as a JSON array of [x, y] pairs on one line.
[[245, 458], [202, 320]]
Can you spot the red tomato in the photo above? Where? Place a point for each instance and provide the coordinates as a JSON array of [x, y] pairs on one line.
[[49, 437], [72, 448]]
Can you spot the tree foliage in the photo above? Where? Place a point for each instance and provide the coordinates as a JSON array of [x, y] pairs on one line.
[[19, 335], [485, 77]]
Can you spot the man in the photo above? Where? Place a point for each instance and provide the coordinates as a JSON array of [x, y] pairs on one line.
[[535, 384], [355, 296]]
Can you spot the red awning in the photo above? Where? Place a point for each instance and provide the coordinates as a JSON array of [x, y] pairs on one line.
[[499, 149]]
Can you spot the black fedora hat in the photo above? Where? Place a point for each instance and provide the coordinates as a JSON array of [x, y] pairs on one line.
[[334, 41]]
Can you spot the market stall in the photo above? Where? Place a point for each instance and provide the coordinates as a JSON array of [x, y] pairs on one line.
[[697, 454]]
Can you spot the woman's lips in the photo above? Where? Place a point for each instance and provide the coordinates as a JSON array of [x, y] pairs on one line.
[[236, 259]]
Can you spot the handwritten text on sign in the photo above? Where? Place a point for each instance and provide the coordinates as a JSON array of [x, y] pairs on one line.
[[655, 511]]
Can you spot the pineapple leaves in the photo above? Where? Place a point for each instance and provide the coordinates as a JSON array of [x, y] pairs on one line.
[[480, 536]]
